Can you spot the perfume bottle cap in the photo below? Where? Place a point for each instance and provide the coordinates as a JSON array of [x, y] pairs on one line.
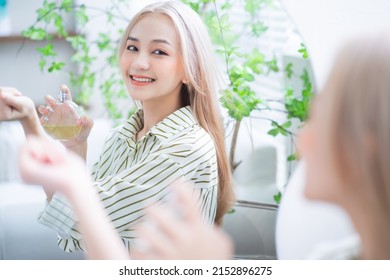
[[63, 95]]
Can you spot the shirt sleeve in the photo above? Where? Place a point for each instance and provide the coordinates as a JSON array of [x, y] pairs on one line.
[[124, 197], [205, 181]]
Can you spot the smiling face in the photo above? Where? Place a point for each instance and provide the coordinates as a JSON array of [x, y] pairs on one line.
[[151, 63]]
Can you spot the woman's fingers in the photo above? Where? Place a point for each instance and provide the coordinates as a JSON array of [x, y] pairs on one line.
[[16, 107], [165, 221], [50, 101], [12, 100], [87, 124], [187, 201], [43, 110], [39, 160], [10, 90], [153, 242]]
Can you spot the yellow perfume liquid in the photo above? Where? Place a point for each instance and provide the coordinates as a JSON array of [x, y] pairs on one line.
[[61, 121], [62, 132]]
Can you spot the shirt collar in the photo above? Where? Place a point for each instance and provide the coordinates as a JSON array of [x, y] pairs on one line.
[[171, 125], [131, 126]]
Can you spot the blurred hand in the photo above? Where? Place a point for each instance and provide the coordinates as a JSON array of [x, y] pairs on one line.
[[14, 105], [186, 237], [44, 162], [85, 122]]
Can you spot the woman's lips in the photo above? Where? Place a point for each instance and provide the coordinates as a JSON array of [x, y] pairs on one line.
[[141, 80]]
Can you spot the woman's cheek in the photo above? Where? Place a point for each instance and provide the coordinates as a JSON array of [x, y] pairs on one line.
[[310, 152]]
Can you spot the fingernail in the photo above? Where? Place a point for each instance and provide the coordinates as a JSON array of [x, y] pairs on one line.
[[48, 107]]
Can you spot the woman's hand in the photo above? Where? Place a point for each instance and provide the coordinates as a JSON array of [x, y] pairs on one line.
[[165, 236], [45, 162], [15, 106], [78, 144]]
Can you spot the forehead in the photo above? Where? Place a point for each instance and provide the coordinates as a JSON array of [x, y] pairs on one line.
[[153, 26]]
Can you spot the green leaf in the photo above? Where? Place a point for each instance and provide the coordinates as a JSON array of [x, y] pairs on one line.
[[56, 66], [274, 132], [58, 23], [298, 107], [33, 33], [292, 157], [258, 28], [67, 5], [42, 64], [251, 6], [289, 71], [255, 61], [47, 50], [239, 102], [278, 197], [306, 79], [225, 23], [231, 211], [110, 18], [287, 124], [46, 12], [78, 42], [103, 41], [303, 51], [272, 65], [226, 6], [81, 15]]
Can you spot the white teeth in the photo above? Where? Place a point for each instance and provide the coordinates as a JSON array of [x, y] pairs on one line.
[[142, 80]]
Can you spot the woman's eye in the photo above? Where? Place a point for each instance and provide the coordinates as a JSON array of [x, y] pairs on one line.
[[159, 52], [131, 48]]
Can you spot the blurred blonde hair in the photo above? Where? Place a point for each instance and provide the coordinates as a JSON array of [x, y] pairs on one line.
[[357, 109], [200, 91]]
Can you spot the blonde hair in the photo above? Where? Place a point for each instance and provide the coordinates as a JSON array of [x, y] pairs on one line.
[[357, 108], [200, 90]]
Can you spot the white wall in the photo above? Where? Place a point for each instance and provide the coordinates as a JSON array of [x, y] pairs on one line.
[[326, 25]]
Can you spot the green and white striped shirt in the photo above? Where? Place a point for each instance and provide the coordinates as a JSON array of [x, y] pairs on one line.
[[131, 175]]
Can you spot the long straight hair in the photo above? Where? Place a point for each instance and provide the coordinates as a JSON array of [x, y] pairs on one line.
[[200, 90]]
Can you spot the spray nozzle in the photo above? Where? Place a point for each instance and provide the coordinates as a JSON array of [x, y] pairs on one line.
[[63, 95]]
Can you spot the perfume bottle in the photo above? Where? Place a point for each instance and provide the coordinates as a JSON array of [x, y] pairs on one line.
[[61, 122]]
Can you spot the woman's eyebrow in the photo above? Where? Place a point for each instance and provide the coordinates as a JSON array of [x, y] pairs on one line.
[[163, 41], [132, 39]]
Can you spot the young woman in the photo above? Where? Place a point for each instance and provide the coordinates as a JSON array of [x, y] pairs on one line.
[[167, 65]]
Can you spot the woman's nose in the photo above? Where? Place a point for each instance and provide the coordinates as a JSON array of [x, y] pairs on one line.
[[141, 62]]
